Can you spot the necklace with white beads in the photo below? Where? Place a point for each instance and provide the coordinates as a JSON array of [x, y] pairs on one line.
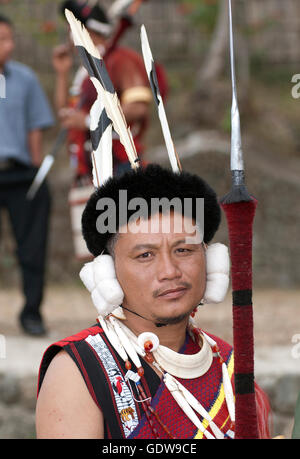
[[171, 365]]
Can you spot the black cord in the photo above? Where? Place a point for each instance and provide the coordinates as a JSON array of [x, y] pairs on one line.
[[157, 324]]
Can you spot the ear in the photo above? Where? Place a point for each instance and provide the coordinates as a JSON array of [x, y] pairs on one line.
[[217, 273], [99, 277]]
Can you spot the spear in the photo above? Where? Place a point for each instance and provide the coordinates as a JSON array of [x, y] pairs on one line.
[[46, 165], [239, 207]]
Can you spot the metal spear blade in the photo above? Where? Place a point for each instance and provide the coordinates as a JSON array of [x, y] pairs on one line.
[[46, 164], [40, 176], [237, 163]]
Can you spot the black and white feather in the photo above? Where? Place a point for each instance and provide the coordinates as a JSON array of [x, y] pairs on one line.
[[102, 120], [152, 76], [101, 139]]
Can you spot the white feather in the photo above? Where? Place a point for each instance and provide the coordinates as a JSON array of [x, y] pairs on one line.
[[80, 35], [115, 113], [148, 60]]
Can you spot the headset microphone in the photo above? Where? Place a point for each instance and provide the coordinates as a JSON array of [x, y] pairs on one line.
[[157, 324]]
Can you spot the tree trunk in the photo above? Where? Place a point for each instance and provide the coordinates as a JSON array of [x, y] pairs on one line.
[[212, 86], [242, 54], [216, 57]]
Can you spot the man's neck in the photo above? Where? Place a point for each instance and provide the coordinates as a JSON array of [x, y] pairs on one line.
[[172, 336]]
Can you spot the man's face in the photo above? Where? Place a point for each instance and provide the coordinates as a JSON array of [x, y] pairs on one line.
[[6, 42], [163, 277]]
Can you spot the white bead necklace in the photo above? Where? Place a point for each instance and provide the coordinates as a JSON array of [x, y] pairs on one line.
[[171, 364]]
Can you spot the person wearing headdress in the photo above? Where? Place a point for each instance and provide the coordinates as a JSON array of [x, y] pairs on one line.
[[145, 370], [174, 379], [126, 69]]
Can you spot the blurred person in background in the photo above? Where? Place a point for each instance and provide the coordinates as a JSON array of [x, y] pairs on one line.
[[24, 113], [73, 103], [127, 72]]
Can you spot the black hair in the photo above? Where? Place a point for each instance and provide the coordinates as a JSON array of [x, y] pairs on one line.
[[151, 182], [5, 20]]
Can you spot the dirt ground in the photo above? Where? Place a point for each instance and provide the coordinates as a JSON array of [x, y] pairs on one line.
[[69, 309]]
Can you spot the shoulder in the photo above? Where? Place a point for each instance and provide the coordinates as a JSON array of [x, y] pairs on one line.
[[21, 70], [25, 78], [81, 335], [60, 369], [61, 366], [61, 379], [65, 408], [64, 344]]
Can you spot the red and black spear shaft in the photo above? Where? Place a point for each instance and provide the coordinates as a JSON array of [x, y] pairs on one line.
[[239, 207]]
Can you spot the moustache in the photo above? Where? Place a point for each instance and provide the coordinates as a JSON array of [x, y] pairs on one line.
[[160, 291]]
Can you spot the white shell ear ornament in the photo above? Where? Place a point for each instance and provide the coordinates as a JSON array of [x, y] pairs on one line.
[[217, 273], [99, 277]]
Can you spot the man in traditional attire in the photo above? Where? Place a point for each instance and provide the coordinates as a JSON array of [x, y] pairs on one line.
[[24, 114], [145, 370]]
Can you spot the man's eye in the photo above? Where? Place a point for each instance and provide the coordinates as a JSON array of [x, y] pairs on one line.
[[183, 250], [144, 255]]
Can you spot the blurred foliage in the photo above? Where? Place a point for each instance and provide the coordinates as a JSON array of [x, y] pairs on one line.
[[38, 19], [202, 13]]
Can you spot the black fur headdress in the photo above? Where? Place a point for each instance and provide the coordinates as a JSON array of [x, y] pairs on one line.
[[148, 183]]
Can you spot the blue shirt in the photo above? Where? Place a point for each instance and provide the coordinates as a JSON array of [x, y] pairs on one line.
[[24, 108]]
